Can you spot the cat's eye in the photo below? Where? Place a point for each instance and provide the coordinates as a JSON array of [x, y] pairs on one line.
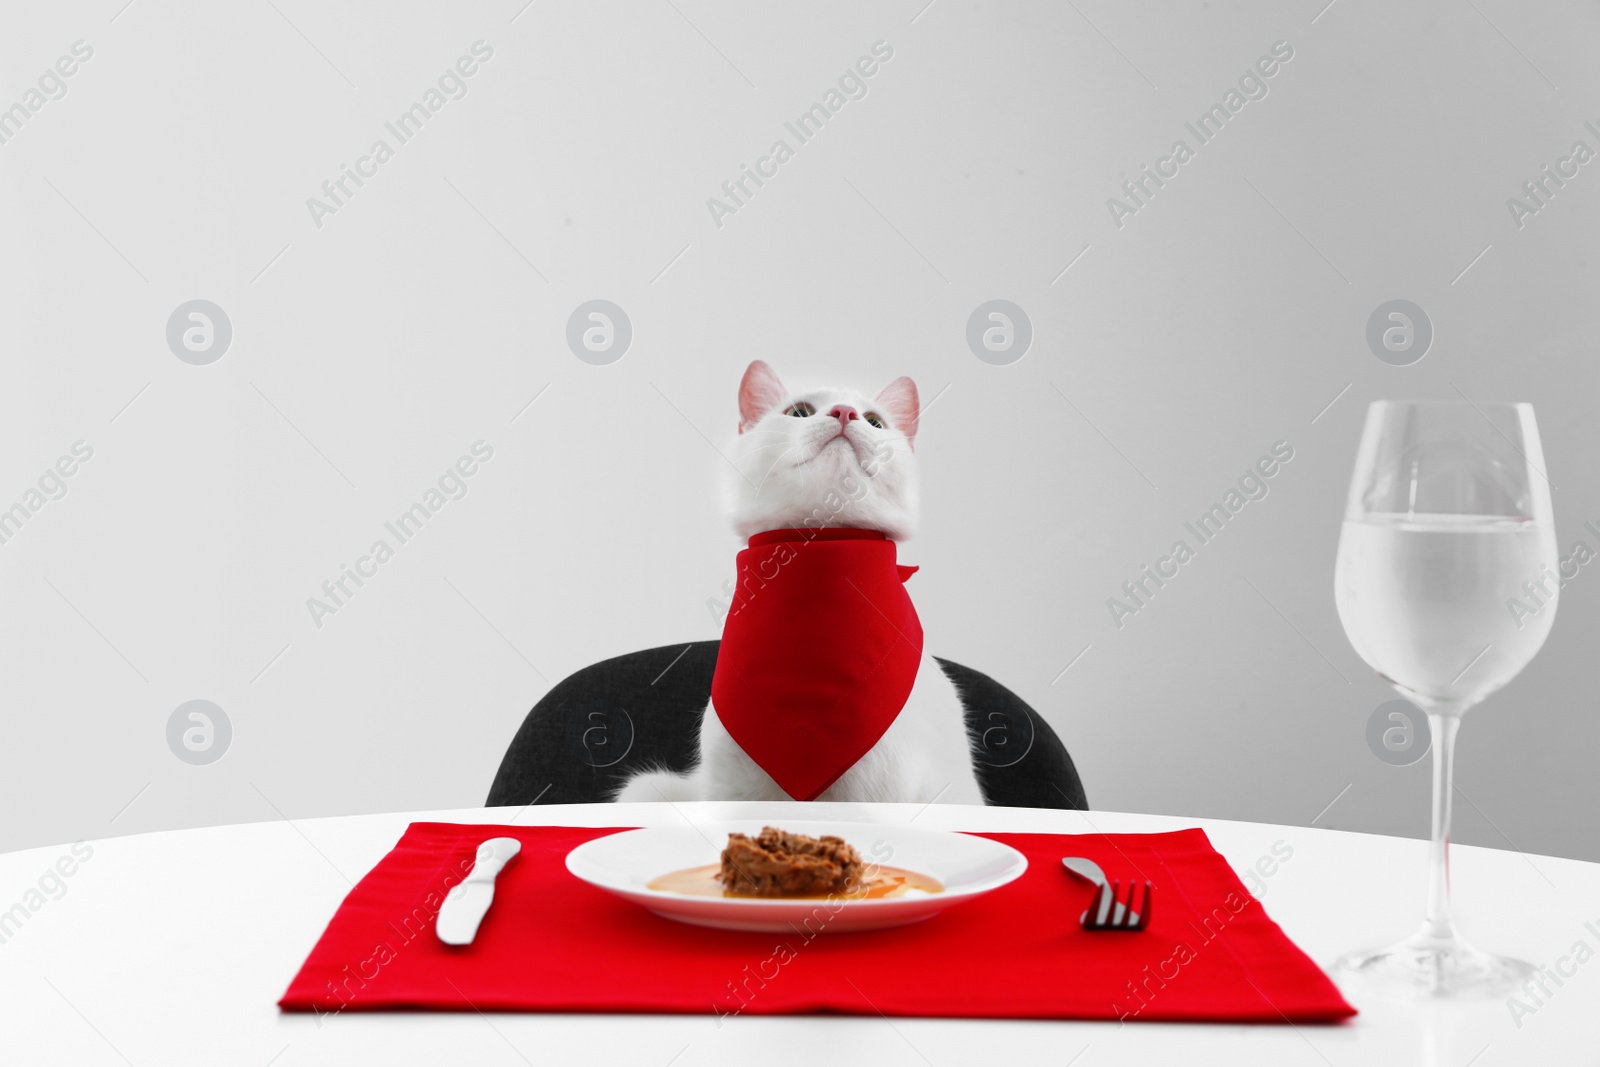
[[802, 410], [874, 419]]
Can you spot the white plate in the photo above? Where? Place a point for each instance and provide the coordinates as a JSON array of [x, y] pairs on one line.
[[624, 863]]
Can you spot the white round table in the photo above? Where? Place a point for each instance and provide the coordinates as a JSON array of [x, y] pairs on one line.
[[173, 948]]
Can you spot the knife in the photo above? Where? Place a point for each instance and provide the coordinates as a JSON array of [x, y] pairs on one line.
[[464, 907], [1090, 871]]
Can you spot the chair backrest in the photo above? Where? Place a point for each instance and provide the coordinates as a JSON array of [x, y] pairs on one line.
[[597, 728]]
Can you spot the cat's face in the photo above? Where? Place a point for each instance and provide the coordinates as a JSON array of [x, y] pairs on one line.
[[824, 457]]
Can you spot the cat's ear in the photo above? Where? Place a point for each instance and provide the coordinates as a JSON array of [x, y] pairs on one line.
[[899, 401], [759, 392]]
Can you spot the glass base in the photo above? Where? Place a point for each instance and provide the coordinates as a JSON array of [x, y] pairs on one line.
[[1425, 965]]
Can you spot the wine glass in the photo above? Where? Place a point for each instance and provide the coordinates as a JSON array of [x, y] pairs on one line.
[[1446, 584]]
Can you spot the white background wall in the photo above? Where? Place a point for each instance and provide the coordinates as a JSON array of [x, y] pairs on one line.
[[431, 308]]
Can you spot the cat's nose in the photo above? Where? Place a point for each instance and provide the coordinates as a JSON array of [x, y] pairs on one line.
[[844, 413]]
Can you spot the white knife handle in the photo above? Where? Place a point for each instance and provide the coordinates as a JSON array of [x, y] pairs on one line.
[[467, 902], [493, 855]]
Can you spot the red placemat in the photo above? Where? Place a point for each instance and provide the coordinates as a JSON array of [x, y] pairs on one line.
[[554, 943]]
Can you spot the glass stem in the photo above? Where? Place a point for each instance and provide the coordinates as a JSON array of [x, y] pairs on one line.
[[1439, 927]]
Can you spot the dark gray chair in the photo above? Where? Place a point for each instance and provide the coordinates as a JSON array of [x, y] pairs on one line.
[[642, 711]]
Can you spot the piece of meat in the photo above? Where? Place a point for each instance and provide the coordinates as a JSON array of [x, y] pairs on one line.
[[779, 864]]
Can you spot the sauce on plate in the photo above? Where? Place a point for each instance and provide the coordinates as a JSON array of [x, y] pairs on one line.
[[885, 882]]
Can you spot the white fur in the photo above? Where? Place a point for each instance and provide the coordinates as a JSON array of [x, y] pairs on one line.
[[800, 472], [791, 472]]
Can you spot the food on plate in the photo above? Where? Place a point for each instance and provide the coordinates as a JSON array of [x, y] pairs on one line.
[[775, 863]]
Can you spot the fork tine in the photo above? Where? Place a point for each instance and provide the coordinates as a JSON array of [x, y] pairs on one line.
[[1127, 907], [1103, 913], [1114, 908], [1144, 907]]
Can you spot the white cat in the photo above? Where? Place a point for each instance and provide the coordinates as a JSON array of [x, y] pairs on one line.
[[832, 458]]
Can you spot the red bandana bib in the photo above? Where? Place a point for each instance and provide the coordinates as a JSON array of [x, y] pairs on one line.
[[819, 651]]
